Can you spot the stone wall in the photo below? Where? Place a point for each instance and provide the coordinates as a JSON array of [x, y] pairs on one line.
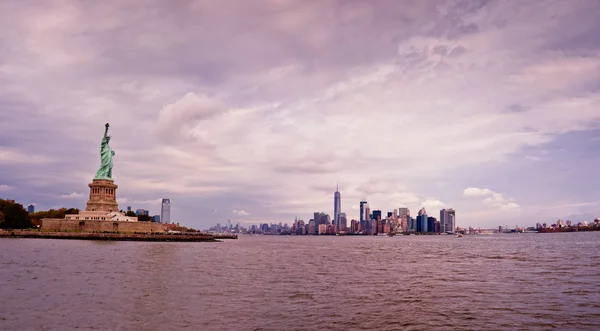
[[59, 224]]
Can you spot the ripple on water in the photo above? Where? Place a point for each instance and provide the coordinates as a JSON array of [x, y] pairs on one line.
[[304, 283]]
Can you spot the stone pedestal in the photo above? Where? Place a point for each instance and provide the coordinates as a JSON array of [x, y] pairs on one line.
[[103, 196]]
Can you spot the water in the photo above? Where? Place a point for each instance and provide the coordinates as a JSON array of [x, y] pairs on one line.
[[525, 281]]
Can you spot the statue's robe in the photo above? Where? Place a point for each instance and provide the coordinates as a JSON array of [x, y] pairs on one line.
[[106, 161]]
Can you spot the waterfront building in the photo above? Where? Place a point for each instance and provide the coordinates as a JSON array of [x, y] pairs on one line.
[[165, 211], [431, 221], [353, 226], [325, 219], [363, 204], [422, 220], [128, 208], [312, 226], [156, 218], [447, 220], [322, 228], [403, 212], [317, 218], [337, 208], [300, 227], [376, 215], [343, 222], [387, 228], [31, 209]]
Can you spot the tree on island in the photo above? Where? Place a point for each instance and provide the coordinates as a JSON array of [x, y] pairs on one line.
[[145, 218], [13, 215], [53, 213]]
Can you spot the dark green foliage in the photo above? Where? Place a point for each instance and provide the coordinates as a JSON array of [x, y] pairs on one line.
[[72, 211], [13, 215], [53, 213], [131, 214], [144, 218]]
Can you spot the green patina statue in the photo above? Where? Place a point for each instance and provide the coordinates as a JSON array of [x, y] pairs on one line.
[[106, 158]]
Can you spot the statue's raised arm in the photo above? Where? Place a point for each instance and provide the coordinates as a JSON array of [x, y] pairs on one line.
[[106, 157]]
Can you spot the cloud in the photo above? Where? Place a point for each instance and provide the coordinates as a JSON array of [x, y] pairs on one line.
[[477, 192], [433, 205], [4, 188], [74, 195], [492, 198], [510, 206], [180, 121], [240, 212], [533, 158], [390, 97], [516, 108], [11, 156], [307, 167]]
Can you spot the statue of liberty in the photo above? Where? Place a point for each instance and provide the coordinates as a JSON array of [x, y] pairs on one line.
[[106, 158]]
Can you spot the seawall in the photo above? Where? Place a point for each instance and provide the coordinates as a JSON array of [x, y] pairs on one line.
[[62, 225], [174, 237]]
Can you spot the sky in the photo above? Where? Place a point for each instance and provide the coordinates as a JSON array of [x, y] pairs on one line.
[[253, 111]]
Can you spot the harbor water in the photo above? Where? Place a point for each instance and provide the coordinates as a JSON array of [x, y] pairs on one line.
[[479, 282]]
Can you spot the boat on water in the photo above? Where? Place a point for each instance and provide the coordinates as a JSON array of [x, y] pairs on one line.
[[459, 235]]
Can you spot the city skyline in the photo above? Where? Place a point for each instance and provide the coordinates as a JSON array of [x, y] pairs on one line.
[[487, 107]]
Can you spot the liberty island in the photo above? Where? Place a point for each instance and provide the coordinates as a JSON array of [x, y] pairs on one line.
[[102, 219]]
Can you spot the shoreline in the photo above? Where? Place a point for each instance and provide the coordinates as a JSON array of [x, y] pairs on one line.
[[156, 237]]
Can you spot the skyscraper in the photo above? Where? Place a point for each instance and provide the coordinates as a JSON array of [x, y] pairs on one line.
[[443, 219], [31, 209], [403, 212], [165, 211], [343, 222], [422, 221], [376, 214], [447, 220], [337, 208], [363, 204]]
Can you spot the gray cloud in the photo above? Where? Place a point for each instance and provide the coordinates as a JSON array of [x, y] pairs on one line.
[[251, 106], [516, 108]]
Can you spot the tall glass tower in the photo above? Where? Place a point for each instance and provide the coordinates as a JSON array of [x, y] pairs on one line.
[[165, 211], [337, 208]]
